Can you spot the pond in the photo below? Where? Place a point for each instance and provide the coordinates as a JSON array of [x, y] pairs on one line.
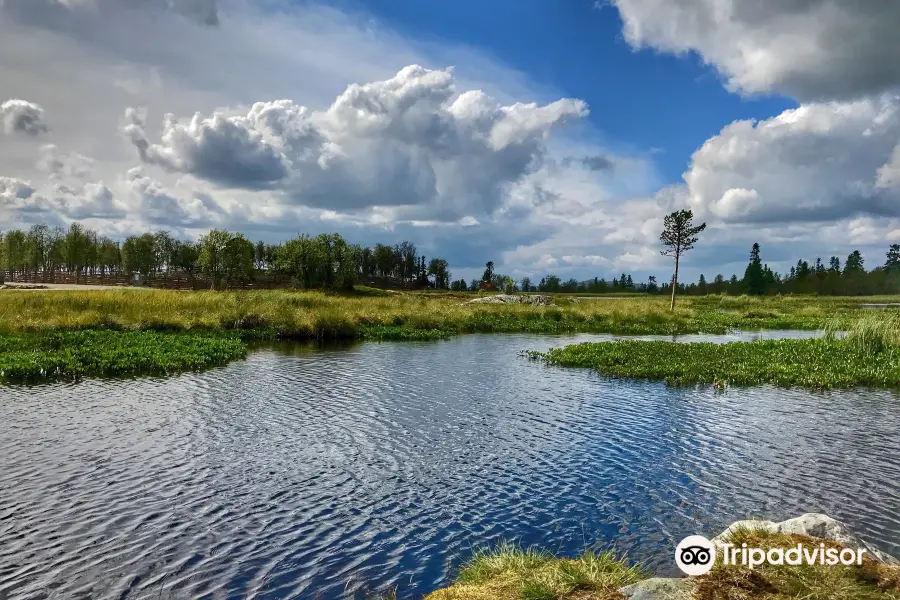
[[300, 472]]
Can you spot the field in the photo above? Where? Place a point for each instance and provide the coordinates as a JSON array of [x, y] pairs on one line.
[[367, 314], [316, 315]]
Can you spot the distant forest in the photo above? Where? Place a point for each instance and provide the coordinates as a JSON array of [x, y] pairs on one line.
[[329, 261], [817, 277]]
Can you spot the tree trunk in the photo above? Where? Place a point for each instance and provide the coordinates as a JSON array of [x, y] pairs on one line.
[[674, 283]]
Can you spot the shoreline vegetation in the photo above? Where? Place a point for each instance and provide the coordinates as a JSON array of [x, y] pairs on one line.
[[508, 572], [863, 352], [210, 328]]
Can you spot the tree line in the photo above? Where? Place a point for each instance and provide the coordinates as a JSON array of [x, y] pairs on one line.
[[224, 258]]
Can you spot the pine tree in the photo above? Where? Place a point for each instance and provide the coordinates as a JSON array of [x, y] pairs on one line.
[[754, 276]]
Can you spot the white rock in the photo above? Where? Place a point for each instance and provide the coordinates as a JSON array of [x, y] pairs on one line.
[[513, 299], [659, 588], [814, 525]]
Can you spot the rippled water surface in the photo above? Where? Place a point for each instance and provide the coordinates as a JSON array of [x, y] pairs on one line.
[[296, 473]]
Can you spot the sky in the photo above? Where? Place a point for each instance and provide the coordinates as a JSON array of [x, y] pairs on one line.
[[548, 136]]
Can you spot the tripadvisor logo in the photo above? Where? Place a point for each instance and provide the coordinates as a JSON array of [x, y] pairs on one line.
[[696, 555]]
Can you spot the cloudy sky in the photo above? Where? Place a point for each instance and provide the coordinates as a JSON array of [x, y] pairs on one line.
[[545, 135]]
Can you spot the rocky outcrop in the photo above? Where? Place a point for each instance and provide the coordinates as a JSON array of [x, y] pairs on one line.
[[815, 525], [533, 300]]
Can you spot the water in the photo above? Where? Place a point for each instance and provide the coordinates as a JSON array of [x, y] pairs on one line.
[[295, 472]]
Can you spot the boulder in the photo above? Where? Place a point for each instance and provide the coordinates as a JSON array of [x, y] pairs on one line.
[[659, 588], [533, 300], [815, 525]]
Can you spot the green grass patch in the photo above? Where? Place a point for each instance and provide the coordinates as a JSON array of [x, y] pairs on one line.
[[508, 572], [811, 363], [76, 354]]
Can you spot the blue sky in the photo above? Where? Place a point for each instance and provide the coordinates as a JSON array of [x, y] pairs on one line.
[[640, 100], [309, 116]]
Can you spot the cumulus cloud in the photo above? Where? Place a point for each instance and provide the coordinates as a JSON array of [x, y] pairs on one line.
[[22, 117], [159, 206], [225, 150], [93, 200], [58, 164], [13, 190], [818, 162], [808, 49], [408, 140]]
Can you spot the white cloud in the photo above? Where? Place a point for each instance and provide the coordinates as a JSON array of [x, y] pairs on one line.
[[13, 190], [819, 162], [408, 140], [808, 49], [161, 207], [22, 117], [465, 162]]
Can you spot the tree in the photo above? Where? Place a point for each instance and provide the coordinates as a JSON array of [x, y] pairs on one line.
[[834, 264], [701, 286], [76, 247], [137, 254], [854, 264], [679, 235], [893, 258], [754, 275], [488, 271], [652, 288], [526, 284], [212, 255], [385, 260], [440, 269]]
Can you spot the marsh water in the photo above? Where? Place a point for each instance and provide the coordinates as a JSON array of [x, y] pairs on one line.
[[302, 473]]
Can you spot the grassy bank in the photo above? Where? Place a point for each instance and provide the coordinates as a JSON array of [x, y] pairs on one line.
[[222, 319], [869, 355], [373, 314], [510, 573], [72, 355]]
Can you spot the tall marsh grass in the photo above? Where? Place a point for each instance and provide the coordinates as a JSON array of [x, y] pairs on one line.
[[871, 333], [317, 315]]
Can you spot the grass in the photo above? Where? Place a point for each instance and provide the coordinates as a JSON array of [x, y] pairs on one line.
[[373, 314], [509, 572], [868, 355], [72, 355], [365, 314], [870, 581]]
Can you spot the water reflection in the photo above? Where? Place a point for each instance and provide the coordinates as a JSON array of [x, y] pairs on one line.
[[298, 470]]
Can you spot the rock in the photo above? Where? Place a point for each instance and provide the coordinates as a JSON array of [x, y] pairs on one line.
[[533, 300], [659, 588], [814, 525]]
